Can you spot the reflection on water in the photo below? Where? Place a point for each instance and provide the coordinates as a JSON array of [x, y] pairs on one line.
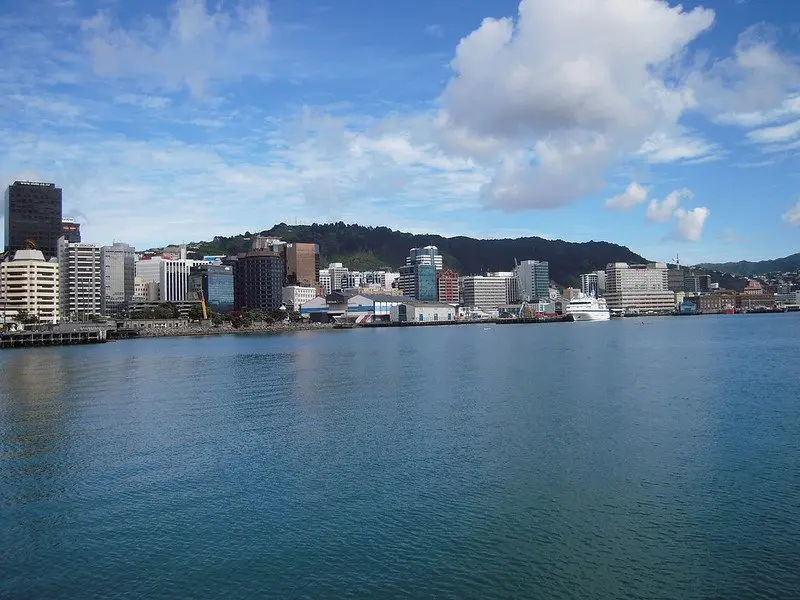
[[602, 460]]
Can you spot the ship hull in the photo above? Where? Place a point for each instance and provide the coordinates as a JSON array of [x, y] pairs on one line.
[[590, 315]]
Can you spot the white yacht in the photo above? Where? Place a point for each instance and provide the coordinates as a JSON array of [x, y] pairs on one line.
[[587, 308]]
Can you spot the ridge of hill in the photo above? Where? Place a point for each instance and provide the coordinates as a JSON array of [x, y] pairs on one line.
[[746, 268]]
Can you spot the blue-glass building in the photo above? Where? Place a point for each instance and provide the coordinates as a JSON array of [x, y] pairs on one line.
[[216, 282]]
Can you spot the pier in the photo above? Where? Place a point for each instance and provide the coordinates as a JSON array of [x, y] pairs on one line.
[[52, 337]]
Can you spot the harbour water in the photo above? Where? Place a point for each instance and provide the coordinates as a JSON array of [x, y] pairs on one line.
[[638, 458]]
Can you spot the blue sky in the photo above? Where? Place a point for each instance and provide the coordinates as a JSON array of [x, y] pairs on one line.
[[673, 130]]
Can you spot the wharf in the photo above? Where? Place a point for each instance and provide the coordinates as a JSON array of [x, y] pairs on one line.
[[34, 338], [456, 322]]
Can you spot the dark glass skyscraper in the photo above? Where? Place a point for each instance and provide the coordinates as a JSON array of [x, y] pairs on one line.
[[71, 230], [33, 215], [258, 280], [216, 282]]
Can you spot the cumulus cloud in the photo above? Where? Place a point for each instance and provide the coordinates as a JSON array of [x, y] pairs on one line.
[[689, 223], [190, 49], [633, 195], [792, 216], [569, 78], [663, 210]]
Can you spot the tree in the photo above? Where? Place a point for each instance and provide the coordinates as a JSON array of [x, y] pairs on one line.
[[195, 313], [26, 318]]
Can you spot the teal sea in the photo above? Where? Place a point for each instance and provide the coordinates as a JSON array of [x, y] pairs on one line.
[[655, 458]]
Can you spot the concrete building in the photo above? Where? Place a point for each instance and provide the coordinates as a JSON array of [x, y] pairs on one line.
[[696, 284], [755, 302], [295, 296], [145, 291], [302, 263], [33, 216], [148, 269], [447, 282], [594, 283], [429, 255], [533, 280], [173, 279], [715, 303], [269, 244], [334, 278], [117, 263], [753, 288], [676, 280], [215, 281], [258, 280], [512, 289], [419, 281], [30, 283], [422, 312], [482, 291], [71, 230], [80, 280], [639, 288]]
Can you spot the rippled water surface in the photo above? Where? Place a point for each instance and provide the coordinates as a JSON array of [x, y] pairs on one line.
[[630, 459]]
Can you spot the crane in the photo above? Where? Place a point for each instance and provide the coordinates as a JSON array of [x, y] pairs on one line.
[[203, 304]]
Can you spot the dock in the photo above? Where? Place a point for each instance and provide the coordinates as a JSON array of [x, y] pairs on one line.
[[52, 337]]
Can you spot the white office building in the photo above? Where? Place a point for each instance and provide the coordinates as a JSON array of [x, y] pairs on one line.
[[334, 278], [429, 255], [145, 291], [295, 296], [512, 289], [149, 269], [482, 291], [638, 288], [30, 283], [80, 280], [173, 283], [533, 280]]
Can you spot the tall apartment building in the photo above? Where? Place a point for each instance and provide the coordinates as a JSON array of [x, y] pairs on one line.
[[258, 280], [216, 284], [117, 264], [30, 283], [334, 278], [173, 279], [638, 287], [483, 291], [533, 280], [594, 283], [33, 216], [447, 281], [512, 289], [71, 230], [696, 284], [80, 280], [302, 263]]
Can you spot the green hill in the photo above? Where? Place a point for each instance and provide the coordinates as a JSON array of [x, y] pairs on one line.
[[748, 268], [371, 247]]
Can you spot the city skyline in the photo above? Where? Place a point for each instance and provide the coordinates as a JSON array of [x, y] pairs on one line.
[[633, 123]]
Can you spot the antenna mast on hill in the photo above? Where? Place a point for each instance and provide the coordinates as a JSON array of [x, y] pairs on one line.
[[678, 261]]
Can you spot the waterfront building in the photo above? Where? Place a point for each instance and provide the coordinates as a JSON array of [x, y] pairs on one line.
[[533, 280], [447, 282], [302, 263], [71, 230], [715, 303], [30, 283], [749, 302], [184, 308], [638, 288], [334, 278], [258, 280], [482, 291], [753, 288], [315, 310], [117, 264], [418, 276], [33, 217], [295, 296], [215, 281], [676, 280], [594, 283], [173, 279], [512, 289], [80, 280], [413, 311]]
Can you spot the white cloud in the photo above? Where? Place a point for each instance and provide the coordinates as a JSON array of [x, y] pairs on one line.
[[778, 133], [633, 195], [189, 50], [575, 80], [663, 210], [792, 216], [662, 147], [790, 106], [143, 101], [689, 223]]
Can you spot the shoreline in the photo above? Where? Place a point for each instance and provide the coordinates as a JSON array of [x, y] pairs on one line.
[[198, 330]]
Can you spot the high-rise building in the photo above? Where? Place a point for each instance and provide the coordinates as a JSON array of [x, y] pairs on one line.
[[173, 279], [638, 287], [302, 263], [71, 230], [533, 280], [29, 283], [429, 255], [33, 217], [483, 291], [216, 283], [447, 281], [117, 263], [676, 280], [696, 284], [258, 280], [594, 283], [418, 276], [80, 280], [334, 278], [512, 289]]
